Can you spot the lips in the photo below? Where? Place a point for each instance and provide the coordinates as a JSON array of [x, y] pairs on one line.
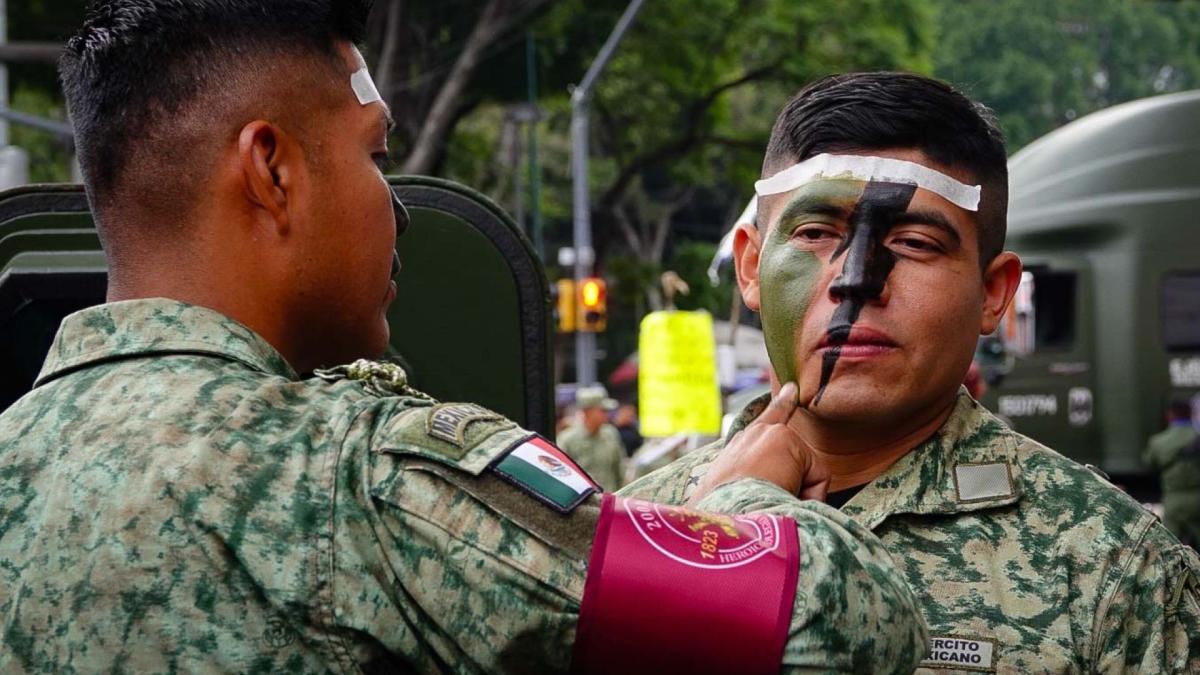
[[855, 338]]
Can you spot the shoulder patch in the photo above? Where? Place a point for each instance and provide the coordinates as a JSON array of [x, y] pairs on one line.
[[466, 435], [544, 472], [449, 421], [976, 482]]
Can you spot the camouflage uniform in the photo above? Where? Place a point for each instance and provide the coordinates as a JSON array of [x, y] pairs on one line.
[[602, 455], [1013, 549], [1175, 453], [173, 498]]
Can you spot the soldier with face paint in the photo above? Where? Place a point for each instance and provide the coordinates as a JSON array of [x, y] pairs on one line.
[[876, 262]]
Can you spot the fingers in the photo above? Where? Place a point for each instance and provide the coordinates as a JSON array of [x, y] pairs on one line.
[[781, 407]]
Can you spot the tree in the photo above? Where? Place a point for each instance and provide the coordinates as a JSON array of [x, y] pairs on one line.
[[425, 56], [683, 113], [1042, 64]]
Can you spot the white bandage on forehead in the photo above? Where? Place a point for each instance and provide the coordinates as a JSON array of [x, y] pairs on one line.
[[364, 87], [870, 168]]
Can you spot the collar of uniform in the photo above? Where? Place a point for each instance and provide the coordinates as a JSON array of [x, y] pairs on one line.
[[969, 464], [155, 326], [926, 480]]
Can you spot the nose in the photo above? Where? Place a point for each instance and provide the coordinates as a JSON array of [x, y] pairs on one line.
[[402, 219], [864, 270]]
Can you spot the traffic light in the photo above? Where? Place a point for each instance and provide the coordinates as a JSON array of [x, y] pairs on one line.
[[564, 301], [593, 306]]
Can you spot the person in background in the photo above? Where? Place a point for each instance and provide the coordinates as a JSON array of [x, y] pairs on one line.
[[594, 443], [626, 422], [1175, 454]]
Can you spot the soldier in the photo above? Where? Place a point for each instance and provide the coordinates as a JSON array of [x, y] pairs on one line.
[[876, 262], [594, 443], [1175, 454], [174, 497]]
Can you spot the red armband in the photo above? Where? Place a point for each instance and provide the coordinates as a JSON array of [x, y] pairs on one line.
[[675, 590]]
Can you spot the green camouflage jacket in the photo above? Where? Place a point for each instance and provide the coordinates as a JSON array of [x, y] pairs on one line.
[[602, 455], [1172, 453], [1023, 561], [173, 498]]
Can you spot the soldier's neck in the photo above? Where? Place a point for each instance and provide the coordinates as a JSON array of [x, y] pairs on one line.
[[856, 454]]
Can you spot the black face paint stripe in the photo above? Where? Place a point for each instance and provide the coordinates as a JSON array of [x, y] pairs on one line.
[[867, 266]]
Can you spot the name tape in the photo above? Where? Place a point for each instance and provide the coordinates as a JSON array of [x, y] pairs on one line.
[[947, 651], [871, 169]]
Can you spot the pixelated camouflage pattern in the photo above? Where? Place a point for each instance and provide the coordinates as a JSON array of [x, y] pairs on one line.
[[173, 498], [602, 456], [1065, 573]]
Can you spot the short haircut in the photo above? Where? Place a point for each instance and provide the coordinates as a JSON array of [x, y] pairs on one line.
[[884, 110], [140, 71], [1179, 409]]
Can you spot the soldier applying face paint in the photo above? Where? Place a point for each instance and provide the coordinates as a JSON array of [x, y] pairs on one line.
[[876, 262], [176, 496]]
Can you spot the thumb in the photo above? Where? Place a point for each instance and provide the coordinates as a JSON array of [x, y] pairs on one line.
[[781, 407], [815, 484]]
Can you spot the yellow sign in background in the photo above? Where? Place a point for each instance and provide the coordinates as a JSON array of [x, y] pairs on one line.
[[677, 375]]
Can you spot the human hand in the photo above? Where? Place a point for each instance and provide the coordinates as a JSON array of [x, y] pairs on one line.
[[770, 450]]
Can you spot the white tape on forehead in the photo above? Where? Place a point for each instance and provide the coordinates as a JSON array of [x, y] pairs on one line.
[[870, 168], [364, 87]]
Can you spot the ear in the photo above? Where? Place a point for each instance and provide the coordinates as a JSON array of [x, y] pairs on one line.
[[267, 156], [1000, 281], [747, 245]]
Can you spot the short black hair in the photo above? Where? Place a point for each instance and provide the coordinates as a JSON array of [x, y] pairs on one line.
[[1179, 409], [887, 110], [136, 64]]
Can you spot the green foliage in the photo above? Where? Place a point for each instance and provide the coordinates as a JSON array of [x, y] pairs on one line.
[[49, 156], [690, 261], [1042, 64]]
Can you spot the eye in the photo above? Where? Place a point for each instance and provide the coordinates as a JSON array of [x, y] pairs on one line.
[[814, 232], [916, 243]]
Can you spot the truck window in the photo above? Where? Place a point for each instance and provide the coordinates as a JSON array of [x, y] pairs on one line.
[[1042, 315], [1181, 311], [1054, 309]]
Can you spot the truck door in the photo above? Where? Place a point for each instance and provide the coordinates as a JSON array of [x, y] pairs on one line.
[[1043, 385]]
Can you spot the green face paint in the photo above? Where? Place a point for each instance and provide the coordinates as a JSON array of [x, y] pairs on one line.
[[788, 274]]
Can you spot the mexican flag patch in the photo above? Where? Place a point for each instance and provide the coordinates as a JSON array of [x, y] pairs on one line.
[[543, 471]]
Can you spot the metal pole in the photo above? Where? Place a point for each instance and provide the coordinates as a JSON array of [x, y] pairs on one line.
[[535, 171], [3, 73], [585, 255]]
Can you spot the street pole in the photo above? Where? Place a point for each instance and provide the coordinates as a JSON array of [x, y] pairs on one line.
[[3, 73], [535, 170], [585, 255]]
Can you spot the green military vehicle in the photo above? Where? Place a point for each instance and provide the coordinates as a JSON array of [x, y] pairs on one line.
[[471, 320], [1105, 329]]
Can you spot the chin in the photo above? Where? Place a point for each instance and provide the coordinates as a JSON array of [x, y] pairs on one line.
[[851, 399]]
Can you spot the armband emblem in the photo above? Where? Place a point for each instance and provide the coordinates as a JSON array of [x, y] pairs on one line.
[[670, 589]]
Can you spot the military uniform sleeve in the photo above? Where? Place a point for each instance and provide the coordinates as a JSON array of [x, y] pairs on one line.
[[853, 610], [447, 566], [668, 485], [1150, 621]]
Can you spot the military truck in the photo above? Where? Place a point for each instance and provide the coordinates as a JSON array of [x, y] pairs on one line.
[[471, 321], [1105, 329]]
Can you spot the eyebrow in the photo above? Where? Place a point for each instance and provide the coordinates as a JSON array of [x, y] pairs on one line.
[[389, 121], [812, 205], [931, 218]]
